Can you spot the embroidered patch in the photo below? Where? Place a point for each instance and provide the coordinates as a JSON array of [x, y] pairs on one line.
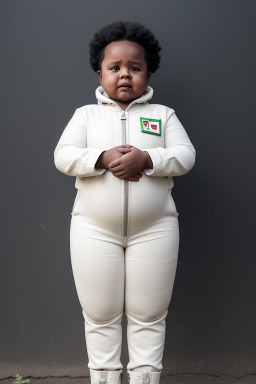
[[152, 126]]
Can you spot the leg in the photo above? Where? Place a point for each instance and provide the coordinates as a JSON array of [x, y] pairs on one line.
[[150, 272], [98, 268]]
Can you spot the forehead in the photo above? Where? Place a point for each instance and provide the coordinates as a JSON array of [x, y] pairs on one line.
[[125, 50]]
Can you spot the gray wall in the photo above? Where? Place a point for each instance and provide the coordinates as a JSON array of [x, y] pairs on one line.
[[208, 76]]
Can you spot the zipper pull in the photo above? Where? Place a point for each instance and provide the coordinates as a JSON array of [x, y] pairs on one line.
[[123, 116]]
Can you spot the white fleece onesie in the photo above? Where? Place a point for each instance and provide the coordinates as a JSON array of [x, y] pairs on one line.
[[124, 234]]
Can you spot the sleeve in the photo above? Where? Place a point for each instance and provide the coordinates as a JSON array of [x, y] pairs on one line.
[[71, 156], [178, 156]]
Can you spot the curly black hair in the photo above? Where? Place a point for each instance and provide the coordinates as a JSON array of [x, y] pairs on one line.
[[124, 30]]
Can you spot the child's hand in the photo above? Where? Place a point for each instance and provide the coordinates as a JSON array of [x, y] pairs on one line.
[[130, 164], [112, 154]]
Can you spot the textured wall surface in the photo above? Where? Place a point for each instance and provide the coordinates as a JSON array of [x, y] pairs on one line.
[[208, 76]]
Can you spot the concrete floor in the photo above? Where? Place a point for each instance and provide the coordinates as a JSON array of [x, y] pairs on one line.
[[176, 379]]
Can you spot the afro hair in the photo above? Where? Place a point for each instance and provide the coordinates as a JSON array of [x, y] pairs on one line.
[[121, 30]]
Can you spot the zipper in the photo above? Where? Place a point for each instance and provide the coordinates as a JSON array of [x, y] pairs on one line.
[[126, 191]]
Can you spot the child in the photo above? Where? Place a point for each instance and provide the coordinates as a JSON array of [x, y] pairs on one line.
[[124, 229]]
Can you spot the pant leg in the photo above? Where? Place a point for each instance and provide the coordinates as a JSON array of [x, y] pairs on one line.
[[98, 268], [150, 271]]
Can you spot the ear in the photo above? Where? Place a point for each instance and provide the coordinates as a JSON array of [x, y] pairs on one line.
[[99, 74], [148, 75]]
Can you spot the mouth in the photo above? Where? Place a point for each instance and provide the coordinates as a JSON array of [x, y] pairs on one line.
[[124, 86]]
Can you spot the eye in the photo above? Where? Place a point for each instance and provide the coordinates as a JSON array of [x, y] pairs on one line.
[[135, 69], [115, 68]]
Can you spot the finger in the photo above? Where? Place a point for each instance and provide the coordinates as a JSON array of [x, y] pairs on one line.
[[114, 163], [118, 168], [135, 177], [127, 146], [124, 150], [122, 174], [139, 174]]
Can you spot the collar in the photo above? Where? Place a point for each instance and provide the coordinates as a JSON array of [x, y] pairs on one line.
[[103, 98]]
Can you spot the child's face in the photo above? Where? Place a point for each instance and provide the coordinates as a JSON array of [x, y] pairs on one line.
[[124, 75]]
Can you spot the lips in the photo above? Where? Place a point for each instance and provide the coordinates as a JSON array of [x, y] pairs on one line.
[[124, 85]]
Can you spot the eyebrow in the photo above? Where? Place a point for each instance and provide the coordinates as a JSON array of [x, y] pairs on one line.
[[130, 62], [135, 62]]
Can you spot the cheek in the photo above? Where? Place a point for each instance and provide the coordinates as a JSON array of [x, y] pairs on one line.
[[108, 80], [142, 82], [143, 76]]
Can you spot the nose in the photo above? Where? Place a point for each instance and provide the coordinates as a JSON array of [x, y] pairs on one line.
[[125, 75]]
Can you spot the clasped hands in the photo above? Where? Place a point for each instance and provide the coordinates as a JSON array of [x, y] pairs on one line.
[[125, 162]]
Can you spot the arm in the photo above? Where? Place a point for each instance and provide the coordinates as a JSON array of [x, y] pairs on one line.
[[175, 159], [178, 155], [71, 155], [73, 158]]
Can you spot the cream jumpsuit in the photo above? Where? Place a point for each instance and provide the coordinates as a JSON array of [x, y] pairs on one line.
[[124, 235]]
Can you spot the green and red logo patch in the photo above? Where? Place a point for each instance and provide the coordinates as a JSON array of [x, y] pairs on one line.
[[152, 126]]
